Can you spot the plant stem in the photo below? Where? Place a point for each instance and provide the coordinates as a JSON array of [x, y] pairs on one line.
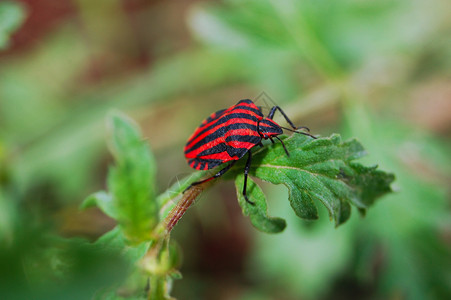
[[180, 208], [157, 288]]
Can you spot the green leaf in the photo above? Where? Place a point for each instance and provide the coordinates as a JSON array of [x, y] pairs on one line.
[[115, 240], [102, 200], [11, 17], [321, 170], [258, 212], [131, 180]]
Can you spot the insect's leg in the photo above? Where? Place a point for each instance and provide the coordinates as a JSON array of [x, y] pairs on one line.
[[304, 127], [273, 111], [246, 173], [261, 144], [220, 173], [283, 145]]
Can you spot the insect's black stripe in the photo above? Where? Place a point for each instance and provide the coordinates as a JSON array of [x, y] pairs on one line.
[[237, 152], [218, 133], [244, 138], [196, 163], [214, 150], [222, 120]]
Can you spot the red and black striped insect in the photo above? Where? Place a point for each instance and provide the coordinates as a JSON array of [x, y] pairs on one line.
[[228, 134]]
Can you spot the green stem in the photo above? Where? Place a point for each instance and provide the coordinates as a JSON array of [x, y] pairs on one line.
[[157, 288], [174, 192]]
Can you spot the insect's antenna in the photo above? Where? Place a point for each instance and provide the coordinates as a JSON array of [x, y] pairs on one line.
[[301, 132], [283, 145]]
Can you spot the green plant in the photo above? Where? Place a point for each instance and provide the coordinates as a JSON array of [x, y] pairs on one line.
[[361, 68], [322, 171]]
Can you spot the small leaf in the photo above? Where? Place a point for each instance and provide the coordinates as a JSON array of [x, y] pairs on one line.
[[131, 180], [103, 201], [115, 240], [321, 170], [11, 17], [369, 183], [258, 212]]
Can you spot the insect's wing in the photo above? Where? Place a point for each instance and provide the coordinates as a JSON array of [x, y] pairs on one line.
[[203, 150]]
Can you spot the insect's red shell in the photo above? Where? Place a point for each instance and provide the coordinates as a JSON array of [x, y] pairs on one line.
[[226, 135]]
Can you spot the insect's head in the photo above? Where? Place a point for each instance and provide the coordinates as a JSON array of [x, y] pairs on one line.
[[268, 128]]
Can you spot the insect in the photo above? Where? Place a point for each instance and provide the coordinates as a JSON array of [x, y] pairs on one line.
[[228, 134]]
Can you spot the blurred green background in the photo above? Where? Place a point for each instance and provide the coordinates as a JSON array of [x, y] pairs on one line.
[[379, 71]]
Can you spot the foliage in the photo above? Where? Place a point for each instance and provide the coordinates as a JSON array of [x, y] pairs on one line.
[[319, 170], [362, 68], [40, 266], [131, 183], [257, 212]]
